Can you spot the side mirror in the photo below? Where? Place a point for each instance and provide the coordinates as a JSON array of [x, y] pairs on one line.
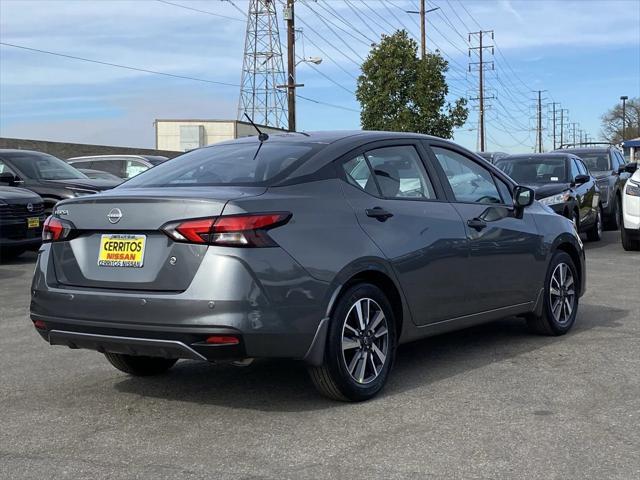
[[631, 167], [621, 169], [523, 196], [7, 177], [580, 179]]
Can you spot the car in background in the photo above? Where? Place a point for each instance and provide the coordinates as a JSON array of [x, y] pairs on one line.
[[121, 166], [562, 182], [100, 174], [21, 219], [630, 227], [492, 157], [332, 248], [607, 165], [48, 176]]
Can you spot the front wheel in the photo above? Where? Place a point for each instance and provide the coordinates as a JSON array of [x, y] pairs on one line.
[[594, 234], [360, 348], [560, 298], [140, 366], [629, 243]]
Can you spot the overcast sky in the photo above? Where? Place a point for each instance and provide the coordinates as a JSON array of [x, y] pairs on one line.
[[585, 54]]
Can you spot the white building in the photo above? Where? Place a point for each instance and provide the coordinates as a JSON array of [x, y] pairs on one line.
[[183, 135]]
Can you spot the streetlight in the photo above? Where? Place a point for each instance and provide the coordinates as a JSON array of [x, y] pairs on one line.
[[624, 99], [423, 35], [314, 60]]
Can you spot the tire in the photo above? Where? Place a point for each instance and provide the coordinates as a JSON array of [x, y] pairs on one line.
[[558, 322], [140, 366], [358, 372], [594, 234], [629, 243], [11, 252], [614, 220]]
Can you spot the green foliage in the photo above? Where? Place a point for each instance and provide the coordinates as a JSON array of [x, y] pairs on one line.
[[611, 127], [400, 92]]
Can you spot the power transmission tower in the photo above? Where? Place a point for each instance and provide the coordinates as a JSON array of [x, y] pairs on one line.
[[263, 68], [564, 123], [573, 132], [539, 145], [554, 123], [480, 48]]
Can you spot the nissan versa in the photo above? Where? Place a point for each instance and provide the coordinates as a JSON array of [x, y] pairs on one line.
[[332, 248]]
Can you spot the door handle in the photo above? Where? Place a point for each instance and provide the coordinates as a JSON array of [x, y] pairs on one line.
[[477, 224], [378, 213]]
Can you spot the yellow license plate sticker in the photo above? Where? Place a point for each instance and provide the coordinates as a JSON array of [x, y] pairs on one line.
[[33, 222], [119, 250]]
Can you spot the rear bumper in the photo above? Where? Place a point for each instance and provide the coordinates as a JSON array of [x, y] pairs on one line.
[[273, 314], [20, 242]]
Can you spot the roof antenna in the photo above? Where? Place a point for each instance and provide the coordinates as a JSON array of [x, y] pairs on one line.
[[263, 137]]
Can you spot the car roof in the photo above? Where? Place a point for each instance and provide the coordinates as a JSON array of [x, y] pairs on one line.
[[111, 157], [19, 150], [328, 137], [585, 150], [533, 156]]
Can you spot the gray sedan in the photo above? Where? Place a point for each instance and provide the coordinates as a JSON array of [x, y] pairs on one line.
[[332, 248]]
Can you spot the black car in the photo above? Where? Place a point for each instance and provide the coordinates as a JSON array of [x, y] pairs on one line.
[[48, 176], [21, 220], [492, 157], [607, 165], [562, 182]]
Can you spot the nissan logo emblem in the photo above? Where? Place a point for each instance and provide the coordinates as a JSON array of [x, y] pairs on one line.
[[29, 207], [114, 215]]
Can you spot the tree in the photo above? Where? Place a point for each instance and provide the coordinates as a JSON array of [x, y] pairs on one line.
[[611, 128], [400, 92]]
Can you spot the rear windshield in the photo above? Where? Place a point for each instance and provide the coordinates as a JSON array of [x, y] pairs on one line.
[[538, 170], [230, 164], [595, 161], [42, 166]]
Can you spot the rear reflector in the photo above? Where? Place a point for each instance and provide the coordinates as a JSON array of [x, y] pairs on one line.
[[222, 340], [39, 324], [247, 230]]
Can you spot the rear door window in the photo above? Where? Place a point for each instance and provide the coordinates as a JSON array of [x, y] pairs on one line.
[[399, 172]]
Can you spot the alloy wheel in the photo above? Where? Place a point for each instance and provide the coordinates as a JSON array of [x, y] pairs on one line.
[[365, 340], [562, 294]]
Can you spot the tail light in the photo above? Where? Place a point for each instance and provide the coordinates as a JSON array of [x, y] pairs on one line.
[[56, 229], [249, 230]]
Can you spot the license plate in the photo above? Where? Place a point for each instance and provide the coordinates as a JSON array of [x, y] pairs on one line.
[[118, 250], [33, 222]]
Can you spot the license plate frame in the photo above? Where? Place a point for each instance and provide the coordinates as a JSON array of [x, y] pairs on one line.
[[117, 250]]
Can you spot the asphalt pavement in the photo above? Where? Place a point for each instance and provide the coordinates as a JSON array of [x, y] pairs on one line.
[[490, 402]]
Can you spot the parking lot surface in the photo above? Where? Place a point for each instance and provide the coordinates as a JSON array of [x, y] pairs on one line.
[[488, 402]]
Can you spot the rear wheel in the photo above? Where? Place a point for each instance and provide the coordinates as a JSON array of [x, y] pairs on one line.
[[360, 348], [140, 366], [614, 220], [594, 234], [560, 298], [629, 242], [10, 253]]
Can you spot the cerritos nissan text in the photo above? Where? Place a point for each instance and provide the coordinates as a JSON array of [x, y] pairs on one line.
[[332, 248]]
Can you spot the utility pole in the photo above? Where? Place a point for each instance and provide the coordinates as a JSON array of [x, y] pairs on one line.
[[291, 65], [624, 99], [423, 33], [539, 122], [481, 98], [573, 131], [580, 132]]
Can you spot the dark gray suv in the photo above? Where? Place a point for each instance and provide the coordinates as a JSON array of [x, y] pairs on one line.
[[332, 248], [607, 165]]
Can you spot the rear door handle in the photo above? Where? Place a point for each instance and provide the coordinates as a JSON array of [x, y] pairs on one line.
[[477, 224], [378, 213]]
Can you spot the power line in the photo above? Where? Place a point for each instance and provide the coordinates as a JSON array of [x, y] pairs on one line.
[[329, 9], [201, 11], [127, 67]]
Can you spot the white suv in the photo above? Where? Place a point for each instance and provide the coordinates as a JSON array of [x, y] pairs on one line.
[[631, 210]]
